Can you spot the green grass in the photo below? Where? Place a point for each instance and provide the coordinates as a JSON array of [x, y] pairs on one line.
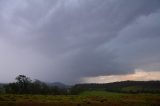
[[100, 93], [131, 88], [87, 98]]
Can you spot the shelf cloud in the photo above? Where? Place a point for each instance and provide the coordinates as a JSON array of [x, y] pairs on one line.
[[68, 40]]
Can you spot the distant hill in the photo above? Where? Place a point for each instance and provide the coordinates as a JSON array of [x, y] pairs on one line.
[[2, 84], [123, 86], [2, 90], [58, 84]]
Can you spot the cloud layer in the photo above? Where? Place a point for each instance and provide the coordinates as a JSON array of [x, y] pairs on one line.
[[67, 40]]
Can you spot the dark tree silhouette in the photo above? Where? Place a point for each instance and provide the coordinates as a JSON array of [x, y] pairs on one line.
[[22, 79], [24, 85]]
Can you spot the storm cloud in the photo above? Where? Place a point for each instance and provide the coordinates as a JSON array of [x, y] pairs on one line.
[[68, 40]]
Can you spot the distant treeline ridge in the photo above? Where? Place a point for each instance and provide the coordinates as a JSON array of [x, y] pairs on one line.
[[24, 85]]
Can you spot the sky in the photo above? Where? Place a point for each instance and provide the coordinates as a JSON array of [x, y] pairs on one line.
[[80, 41]]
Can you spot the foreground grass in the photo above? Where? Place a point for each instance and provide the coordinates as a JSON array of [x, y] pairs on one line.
[[90, 98]]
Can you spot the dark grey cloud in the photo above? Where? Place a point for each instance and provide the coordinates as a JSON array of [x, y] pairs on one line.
[[62, 40]]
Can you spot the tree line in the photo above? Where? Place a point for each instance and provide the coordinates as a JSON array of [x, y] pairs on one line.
[[121, 87], [24, 85]]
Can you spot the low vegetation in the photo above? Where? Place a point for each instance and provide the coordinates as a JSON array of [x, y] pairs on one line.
[[87, 98]]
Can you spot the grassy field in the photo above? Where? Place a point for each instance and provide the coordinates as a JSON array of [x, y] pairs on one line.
[[88, 98]]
